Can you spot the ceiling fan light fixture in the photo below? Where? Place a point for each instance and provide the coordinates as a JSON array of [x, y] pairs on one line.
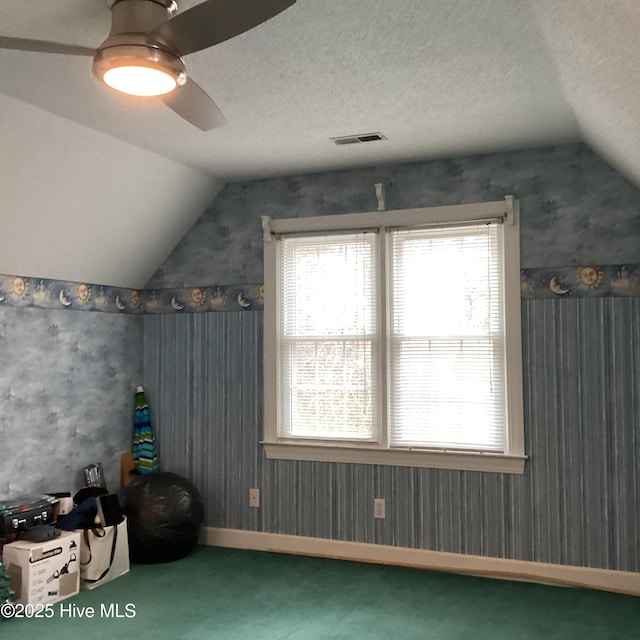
[[139, 70], [139, 81]]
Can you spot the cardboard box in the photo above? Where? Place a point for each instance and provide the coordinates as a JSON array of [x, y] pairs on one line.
[[44, 572]]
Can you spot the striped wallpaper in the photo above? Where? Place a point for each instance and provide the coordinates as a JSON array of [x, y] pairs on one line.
[[577, 503]]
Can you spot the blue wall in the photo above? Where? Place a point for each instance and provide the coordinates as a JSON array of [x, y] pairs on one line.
[[67, 381], [67, 377], [575, 209], [577, 501]]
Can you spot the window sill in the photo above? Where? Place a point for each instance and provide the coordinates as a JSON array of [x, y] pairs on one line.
[[463, 461]]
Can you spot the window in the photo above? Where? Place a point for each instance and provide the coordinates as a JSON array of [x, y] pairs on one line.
[[394, 338]]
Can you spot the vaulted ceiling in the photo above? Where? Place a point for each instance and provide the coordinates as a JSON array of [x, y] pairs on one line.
[[97, 186]]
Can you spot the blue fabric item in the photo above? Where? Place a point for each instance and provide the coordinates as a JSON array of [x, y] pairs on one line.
[[82, 517], [144, 440]]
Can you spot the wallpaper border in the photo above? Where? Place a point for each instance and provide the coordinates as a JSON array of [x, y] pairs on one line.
[[42, 293], [586, 281]]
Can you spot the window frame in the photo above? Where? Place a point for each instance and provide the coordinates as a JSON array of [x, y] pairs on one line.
[[513, 459]]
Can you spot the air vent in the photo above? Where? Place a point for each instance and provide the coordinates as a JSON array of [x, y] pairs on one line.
[[361, 137]]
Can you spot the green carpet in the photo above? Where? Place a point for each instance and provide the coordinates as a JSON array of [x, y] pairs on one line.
[[225, 594]]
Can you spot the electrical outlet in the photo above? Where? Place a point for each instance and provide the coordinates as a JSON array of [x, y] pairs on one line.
[[254, 497], [378, 508]]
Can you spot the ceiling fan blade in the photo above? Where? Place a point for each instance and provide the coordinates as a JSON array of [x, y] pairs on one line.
[[42, 46], [215, 21], [195, 106]]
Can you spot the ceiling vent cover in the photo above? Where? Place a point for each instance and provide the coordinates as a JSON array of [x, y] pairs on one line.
[[360, 137]]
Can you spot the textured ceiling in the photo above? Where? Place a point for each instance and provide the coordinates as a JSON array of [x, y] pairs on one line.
[[436, 78]]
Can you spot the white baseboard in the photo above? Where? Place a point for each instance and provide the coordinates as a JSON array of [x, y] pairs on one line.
[[564, 575]]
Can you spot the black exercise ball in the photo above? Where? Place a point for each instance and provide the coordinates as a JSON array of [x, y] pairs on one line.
[[165, 514]]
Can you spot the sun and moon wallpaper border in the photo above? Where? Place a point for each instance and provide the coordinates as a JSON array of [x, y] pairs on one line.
[[588, 281], [41, 293]]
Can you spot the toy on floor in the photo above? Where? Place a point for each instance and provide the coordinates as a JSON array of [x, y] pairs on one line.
[[165, 514]]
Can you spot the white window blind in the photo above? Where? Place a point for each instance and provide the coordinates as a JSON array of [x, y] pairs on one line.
[[446, 362], [327, 336]]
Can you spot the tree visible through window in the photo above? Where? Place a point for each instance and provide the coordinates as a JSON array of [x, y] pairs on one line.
[[329, 329]]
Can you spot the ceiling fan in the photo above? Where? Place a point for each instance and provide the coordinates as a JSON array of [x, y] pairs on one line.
[[143, 53]]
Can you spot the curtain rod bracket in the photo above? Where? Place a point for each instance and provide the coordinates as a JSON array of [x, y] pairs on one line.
[[512, 209], [267, 235], [380, 195]]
